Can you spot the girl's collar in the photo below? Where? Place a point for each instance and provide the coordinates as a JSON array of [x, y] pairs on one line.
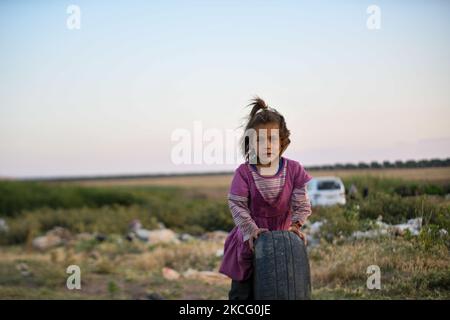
[[280, 167]]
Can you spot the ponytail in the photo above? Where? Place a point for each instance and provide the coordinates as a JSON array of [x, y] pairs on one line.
[[257, 104]]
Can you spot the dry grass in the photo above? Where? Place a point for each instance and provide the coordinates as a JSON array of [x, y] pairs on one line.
[[122, 270], [338, 271], [199, 255], [132, 269], [406, 269]]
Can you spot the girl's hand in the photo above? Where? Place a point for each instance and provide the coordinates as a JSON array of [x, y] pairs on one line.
[[295, 228], [254, 236]]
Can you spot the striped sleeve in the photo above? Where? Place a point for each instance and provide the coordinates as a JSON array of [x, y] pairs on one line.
[[301, 176], [300, 206], [241, 215]]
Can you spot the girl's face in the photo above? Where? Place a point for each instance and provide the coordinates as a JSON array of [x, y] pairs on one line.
[[268, 142]]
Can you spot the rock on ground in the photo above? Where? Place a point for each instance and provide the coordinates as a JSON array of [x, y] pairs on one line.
[[52, 238]]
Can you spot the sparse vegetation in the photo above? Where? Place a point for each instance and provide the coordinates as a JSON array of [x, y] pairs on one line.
[[412, 266]]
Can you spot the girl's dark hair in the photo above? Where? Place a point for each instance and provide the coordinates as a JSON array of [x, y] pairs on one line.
[[261, 113]]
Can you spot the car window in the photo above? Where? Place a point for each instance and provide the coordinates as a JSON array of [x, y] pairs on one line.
[[328, 185]]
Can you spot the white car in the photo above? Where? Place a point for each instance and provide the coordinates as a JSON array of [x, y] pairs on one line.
[[326, 191]]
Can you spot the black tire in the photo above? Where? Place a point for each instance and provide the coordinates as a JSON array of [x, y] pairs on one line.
[[281, 267]]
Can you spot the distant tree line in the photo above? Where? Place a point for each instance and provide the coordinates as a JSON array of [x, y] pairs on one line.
[[424, 163], [361, 165]]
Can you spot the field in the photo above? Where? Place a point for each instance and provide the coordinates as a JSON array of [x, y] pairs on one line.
[[223, 181], [93, 218]]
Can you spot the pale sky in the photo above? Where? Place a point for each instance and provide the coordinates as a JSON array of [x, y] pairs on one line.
[[106, 98]]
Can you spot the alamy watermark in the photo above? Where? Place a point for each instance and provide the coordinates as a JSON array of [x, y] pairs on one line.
[[222, 146], [73, 21], [74, 280], [374, 20], [374, 279]]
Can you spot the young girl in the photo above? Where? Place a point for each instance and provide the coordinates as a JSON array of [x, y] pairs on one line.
[[267, 193]]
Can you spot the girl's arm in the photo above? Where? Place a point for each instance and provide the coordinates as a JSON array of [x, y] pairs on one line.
[[238, 202], [241, 215], [300, 206]]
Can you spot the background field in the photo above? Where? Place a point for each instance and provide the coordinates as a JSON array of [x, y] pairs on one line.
[[223, 181], [113, 267]]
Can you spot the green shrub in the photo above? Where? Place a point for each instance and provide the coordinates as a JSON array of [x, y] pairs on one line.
[[105, 220], [340, 222], [399, 187], [396, 209], [17, 196], [433, 235], [181, 214]]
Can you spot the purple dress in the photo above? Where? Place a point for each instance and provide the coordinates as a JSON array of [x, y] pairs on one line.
[[237, 262]]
